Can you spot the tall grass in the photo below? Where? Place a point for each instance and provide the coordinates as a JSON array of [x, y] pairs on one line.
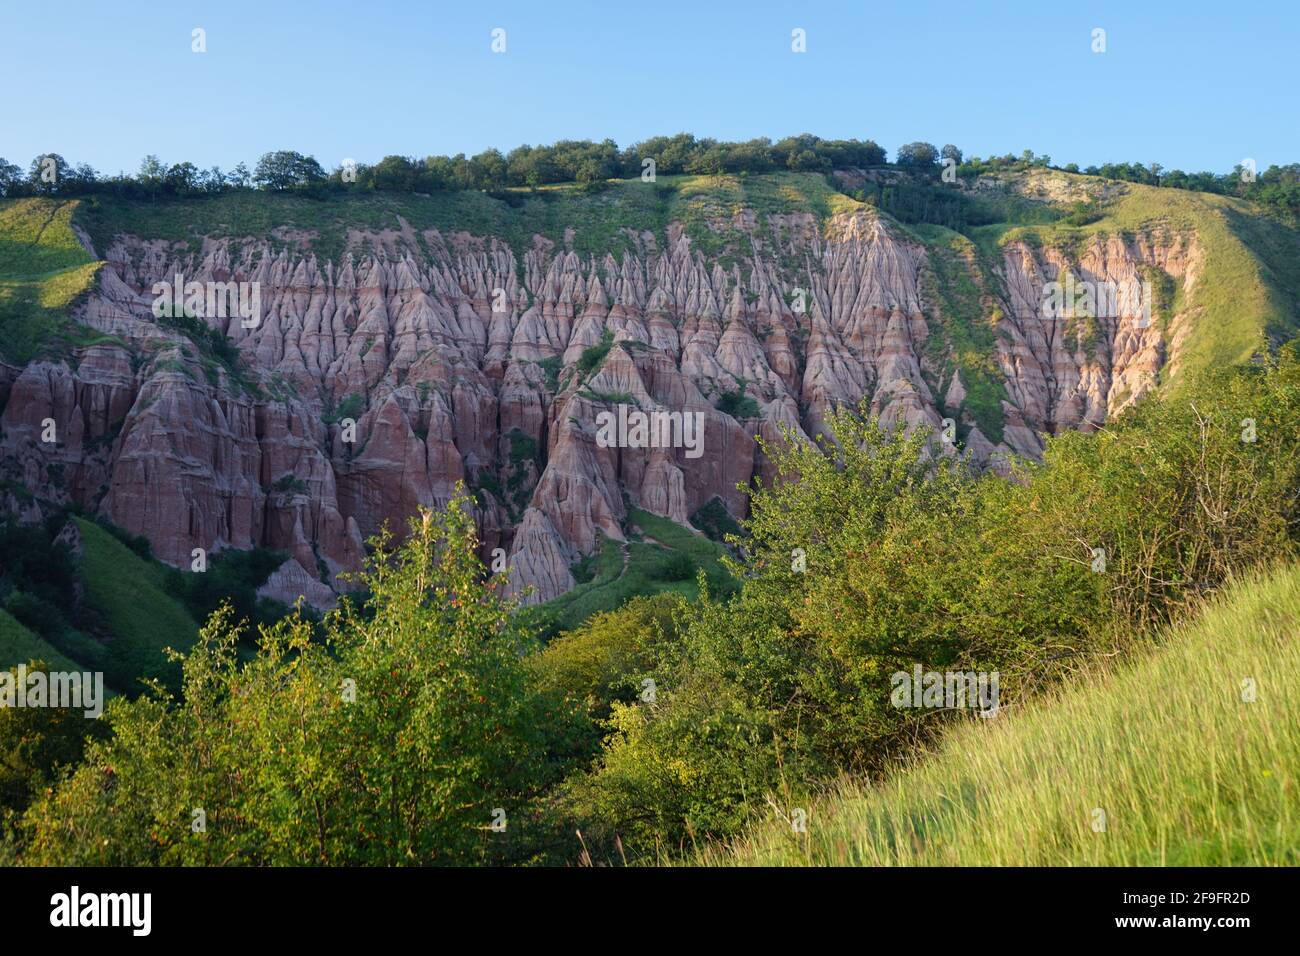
[[1186, 771]]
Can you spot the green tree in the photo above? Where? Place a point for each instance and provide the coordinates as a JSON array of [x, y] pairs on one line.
[[917, 155], [47, 173], [394, 740], [35, 744], [286, 169], [10, 176]]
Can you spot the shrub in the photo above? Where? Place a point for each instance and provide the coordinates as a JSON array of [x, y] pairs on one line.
[[594, 355], [232, 577], [36, 743], [351, 407], [715, 521], [738, 405], [880, 557], [393, 742], [676, 566]]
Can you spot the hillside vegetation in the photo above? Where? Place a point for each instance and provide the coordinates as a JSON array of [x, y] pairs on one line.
[[127, 591], [400, 729], [1187, 757], [43, 271], [660, 557], [692, 693], [18, 645]]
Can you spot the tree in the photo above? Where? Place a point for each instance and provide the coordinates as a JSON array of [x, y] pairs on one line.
[[397, 173], [212, 180], [10, 176], [182, 179], [917, 155], [152, 173], [490, 170], [47, 173], [951, 152], [399, 736], [35, 743], [286, 169], [239, 177]]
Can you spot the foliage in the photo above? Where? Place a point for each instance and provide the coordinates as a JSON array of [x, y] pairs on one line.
[[285, 169], [231, 577], [738, 405], [593, 355], [715, 520], [36, 743], [522, 447], [351, 407], [393, 742], [880, 557], [602, 661], [919, 155], [1187, 770]]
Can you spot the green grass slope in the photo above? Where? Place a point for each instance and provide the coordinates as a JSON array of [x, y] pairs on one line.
[[43, 271], [1239, 301], [1246, 292], [20, 646], [1186, 771], [127, 592], [659, 556]]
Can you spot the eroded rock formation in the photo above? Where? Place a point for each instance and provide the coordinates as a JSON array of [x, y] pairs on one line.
[[459, 360]]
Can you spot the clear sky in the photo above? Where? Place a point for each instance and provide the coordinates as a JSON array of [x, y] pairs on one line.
[[1191, 85]]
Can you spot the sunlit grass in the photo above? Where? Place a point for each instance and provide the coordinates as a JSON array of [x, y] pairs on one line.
[[1185, 770], [43, 271]]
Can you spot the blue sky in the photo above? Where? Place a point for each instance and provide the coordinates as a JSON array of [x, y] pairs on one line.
[[1193, 85]]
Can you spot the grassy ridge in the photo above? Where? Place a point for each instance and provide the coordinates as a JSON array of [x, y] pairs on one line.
[[1237, 301], [1245, 288], [1187, 772], [43, 271], [600, 217]]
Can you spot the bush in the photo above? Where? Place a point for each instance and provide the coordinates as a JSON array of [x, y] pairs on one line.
[[232, 577], [880, 557], [393, 742], [36, 743], [602, 662], [35, 614], [594, 355], [738, 405], [676, 566], [715, 520], [31, 561], [351, 407]]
